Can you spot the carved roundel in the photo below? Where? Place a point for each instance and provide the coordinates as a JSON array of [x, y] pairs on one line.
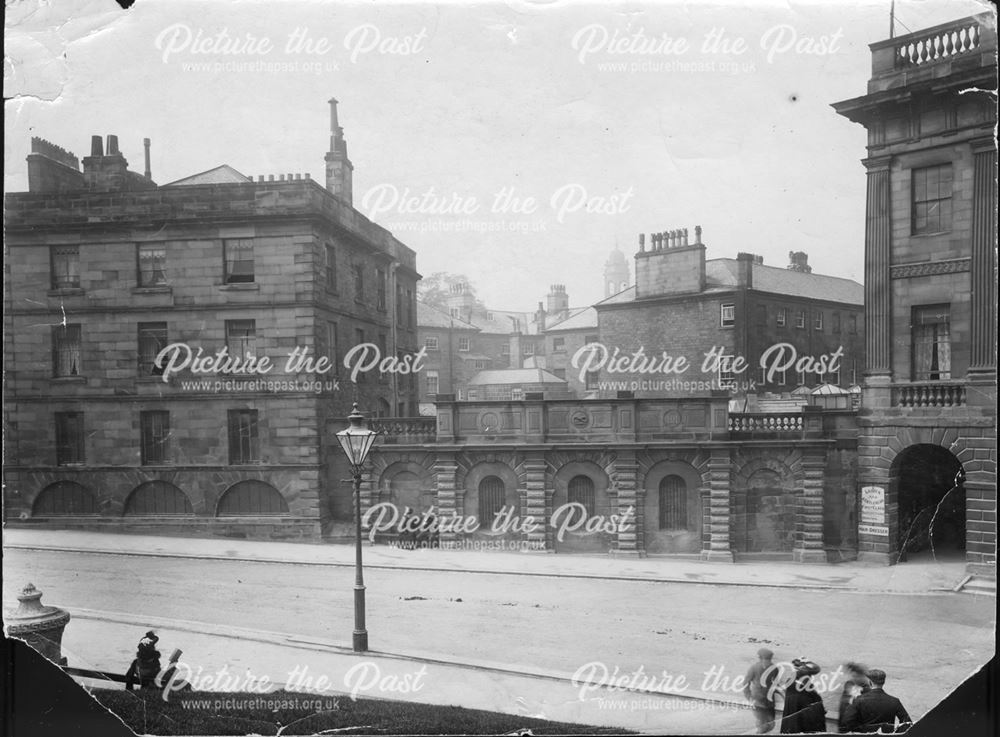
[[671, 418], [579, 419], [490, 421]]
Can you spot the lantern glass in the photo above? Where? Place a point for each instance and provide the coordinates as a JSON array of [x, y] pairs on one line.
[[357, 439]]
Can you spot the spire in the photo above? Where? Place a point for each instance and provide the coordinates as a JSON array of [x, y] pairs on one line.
[[339, 170]]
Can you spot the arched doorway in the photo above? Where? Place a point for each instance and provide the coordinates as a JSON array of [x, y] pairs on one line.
[[930, 503], [407, 490]]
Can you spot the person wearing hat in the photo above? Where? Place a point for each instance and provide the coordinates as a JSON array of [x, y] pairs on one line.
[[876, 710], [758, 690], [855, 685], [146, 664], [803, 710]]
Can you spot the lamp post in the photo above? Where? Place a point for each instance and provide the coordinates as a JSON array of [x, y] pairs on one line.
[[356, 441]]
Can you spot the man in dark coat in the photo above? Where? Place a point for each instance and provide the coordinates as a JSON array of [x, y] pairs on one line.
[[803, 710], [876, 709], [758, 690]]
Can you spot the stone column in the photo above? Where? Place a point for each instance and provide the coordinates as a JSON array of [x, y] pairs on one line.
[[718, 506], [878, 287], [535, 467], [984, 192], [626, 473], [446, 479], [809, 522]]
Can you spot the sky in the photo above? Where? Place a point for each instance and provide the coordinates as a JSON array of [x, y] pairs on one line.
[[515, 142]]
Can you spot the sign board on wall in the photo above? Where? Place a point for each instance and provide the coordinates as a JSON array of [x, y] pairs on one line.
[[872, 505], [881, 530]]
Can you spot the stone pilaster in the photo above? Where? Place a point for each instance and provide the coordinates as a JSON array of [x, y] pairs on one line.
[[878, 288], [717, 544], [983, 267], [809, 522], [535, 468], [626, 474], [369, 494], [446, 479]]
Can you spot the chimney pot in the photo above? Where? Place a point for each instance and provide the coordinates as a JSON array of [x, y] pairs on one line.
[[145, 144], [112, 145], [697, 235], [96, 146], [642, 242]]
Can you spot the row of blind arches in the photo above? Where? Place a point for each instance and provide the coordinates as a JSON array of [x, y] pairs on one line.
[[671, 495], [153, 498]]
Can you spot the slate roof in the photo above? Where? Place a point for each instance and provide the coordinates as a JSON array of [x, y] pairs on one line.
[[432, 317], [224, 174], [580, 319]]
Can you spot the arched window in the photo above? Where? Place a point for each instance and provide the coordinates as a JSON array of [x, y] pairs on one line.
[[251, 498], [673, 503], [64, 498], [157, 497], [491, 499], [581, 491]]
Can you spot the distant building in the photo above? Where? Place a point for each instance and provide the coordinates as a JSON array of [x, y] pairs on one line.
[[105, 268], [685, 305], [928, 414], [515, 384]]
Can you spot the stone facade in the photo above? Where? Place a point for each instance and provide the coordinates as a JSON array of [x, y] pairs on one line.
[[733, 491], [929, 402], [82, 395]]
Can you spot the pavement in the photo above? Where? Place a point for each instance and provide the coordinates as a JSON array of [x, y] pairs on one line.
[[231, 657], [919, 576]]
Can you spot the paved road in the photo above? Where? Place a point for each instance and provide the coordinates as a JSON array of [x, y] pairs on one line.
[[555, 624]]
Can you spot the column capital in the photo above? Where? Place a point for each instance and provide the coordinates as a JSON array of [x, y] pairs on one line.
[[986, 144], [875, 164]]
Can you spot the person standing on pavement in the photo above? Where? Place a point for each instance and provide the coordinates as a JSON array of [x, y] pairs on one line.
[[803, 710], [876, 710], [857, 683], [758, 690]]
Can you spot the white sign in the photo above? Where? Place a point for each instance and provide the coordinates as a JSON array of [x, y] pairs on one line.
[[872, 505], [881, 530]]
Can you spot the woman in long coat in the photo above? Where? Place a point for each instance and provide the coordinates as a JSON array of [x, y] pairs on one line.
[[803, 710]]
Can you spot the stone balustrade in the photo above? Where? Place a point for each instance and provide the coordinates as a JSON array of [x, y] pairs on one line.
[[928, 394]]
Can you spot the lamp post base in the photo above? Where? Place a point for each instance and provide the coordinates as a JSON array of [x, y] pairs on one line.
[[361, 642]]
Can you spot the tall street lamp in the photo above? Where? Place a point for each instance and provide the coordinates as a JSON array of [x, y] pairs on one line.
[[356, 441]]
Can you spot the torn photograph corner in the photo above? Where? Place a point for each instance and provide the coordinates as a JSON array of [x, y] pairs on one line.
[[633, 370]]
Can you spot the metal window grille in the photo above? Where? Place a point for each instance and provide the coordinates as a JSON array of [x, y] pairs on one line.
[[64, 498], [154, 430], [152, 340], [673, 503], [932, 190], [581, 491], [69, 438], [244, 444], [65, 267], [152, 265], [491, 499], [66, 350], [156, 498], [251, 498], [239, 262], [241, 338]]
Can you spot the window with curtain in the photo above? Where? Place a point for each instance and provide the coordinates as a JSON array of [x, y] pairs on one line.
[[66, 350], [152, 263], [65, 267], [931, 332], [152, 340], [238, 260]]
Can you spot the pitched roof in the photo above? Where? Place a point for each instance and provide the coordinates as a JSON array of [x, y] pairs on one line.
[[432, 317], [515, 376], [224, 174], [580, 319], [721, 273]]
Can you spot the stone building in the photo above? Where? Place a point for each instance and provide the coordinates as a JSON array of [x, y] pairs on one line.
[[684, 305], [105, 269], [929, 400]]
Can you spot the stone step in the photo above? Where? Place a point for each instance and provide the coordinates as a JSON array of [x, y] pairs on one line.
[[980, 585]]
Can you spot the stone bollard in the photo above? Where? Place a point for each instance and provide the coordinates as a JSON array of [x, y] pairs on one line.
[[39, 626]]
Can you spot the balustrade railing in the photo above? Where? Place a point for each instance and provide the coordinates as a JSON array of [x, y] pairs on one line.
[[766, 422], [930, 394], [938, 43], [404, 429]]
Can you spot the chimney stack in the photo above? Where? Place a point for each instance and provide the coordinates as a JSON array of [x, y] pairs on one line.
[[799, 261], [339, 169], [148, 173]]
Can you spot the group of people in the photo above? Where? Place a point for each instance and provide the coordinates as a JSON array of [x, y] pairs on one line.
[[864, 704]]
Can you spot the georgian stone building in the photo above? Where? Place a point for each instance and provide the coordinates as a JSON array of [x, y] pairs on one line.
[[105, 268], [929, 403]]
